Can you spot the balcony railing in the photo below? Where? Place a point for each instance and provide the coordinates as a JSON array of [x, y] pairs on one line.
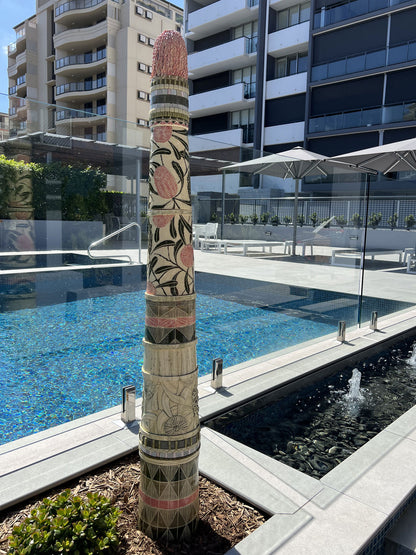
[[372, 59], [75, 114], [81, 87], [249, 90], [76, 5], [87, 58], [11, 49], [347, 10], [366, 117]]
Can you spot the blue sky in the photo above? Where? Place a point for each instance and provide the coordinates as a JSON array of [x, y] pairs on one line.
[[12, 13]]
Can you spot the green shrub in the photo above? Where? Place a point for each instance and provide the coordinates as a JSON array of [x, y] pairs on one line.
[[275, 220], [357, 220], [392, 221], [254, 219], [301, 220], [374, 220], [409, 221], [264, 218], [314, 218], [231, 218], [68, 524], [287, 220], [341, 221], [243, 219]]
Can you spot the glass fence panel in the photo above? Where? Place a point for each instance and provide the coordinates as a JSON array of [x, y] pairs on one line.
[[79, 322]]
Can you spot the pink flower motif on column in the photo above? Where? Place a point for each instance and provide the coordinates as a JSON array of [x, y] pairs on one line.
[[162, 220], [162, 133], [165, 182], [187, 256], [150, 288]]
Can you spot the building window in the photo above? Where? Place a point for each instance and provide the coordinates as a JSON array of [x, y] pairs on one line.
[[246, 75], [149, 14], [139, 10], [142, 95], [141, 38], [142, 122], [292, 64], [151, 42], [101, 134], [149, 69], [88, 133], [101, 106], [244, 119], [293, 15], [141, 66]]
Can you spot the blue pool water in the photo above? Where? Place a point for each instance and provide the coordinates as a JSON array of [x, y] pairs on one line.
[[64, 361]]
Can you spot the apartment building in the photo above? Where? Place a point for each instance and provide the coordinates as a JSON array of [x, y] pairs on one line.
[[90, 61], [333, 76]]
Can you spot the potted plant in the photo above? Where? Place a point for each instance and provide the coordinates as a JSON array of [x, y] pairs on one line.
[[287, 220], [356, 220], [374, 220], [314, 218], [214, 217], [301, 220], [254, 219], [274, 220], [242, 219], [264, 218], [409, 222], [341, 221], [231, 218], [392, 221]]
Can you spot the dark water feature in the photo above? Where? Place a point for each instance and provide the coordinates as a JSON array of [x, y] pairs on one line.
[[318, 426]]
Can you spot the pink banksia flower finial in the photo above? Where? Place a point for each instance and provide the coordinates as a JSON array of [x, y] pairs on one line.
[[170, 56]]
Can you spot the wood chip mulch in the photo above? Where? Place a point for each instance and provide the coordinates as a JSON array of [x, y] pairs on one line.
[[224, 519]]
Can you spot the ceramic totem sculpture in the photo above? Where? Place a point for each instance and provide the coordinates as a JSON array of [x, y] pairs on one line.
[[169, 429]]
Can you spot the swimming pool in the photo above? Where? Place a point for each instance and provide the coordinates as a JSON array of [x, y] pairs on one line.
[[63, 360]]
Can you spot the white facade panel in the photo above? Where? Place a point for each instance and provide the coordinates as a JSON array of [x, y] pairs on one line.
[[229, 55], [285, 86], [289, 40], [219, 100], [219, 16], [215, 141], [287, 133]]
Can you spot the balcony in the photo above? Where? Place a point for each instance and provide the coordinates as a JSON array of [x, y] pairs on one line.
[[87, 62], [285, 86], [219, 16], [12, 70], [216, 141], [285, 133], [82, 39], [289, 40], [12, 49], [77, 90], [366, 117], [81, 116], [234, 97], [349, 9], [80, 12], [229, 55]]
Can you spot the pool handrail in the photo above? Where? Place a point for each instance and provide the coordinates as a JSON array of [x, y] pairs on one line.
[[113, 234]]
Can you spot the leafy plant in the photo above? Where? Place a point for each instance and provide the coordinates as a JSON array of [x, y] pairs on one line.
[[68, 524], [287, 220], [264, 218], [254, 219], [301, 220], [314, 218], [356, 220], [214, 217], [392, 221], [409, 222], [231, 218], [374, 219], [274, 220], [341, 221], [243, 219]]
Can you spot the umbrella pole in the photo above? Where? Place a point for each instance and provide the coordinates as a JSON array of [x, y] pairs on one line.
[[295, 216]]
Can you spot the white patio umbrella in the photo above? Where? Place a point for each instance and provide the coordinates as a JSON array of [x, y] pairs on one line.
[[296, 163], [392, 157]]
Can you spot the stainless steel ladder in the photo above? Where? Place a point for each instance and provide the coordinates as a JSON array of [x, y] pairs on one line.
[[117, 232]]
